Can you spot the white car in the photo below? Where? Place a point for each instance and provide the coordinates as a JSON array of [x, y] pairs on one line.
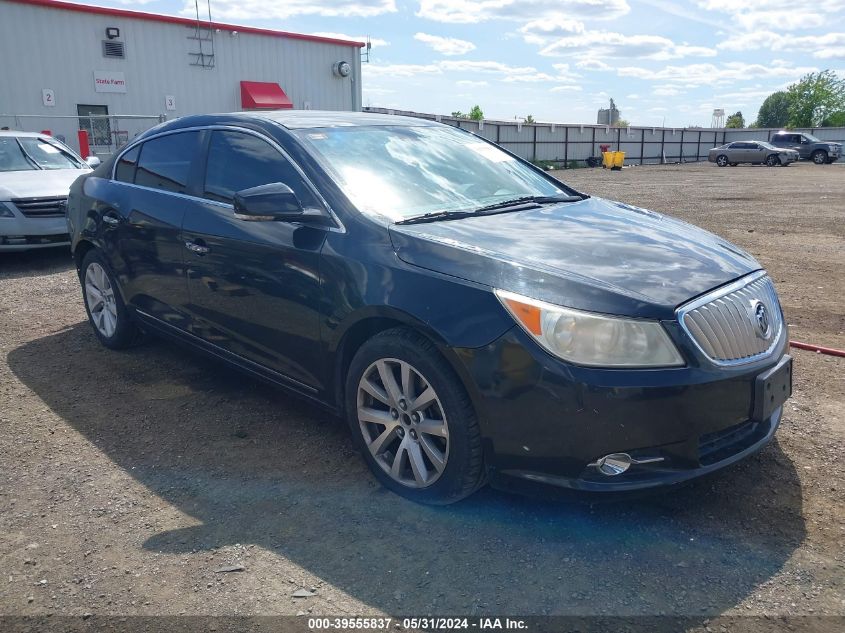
[[36, 172]]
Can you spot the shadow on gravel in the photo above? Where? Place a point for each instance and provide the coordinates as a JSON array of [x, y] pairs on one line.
[[42, 261], [252, 465]]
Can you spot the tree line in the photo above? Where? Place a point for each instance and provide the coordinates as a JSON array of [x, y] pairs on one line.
[[816, 100]]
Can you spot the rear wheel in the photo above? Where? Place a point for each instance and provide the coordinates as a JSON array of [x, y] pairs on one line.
[[104, 305], [772, 160], [820, 157], [413, 420], [722, 160]]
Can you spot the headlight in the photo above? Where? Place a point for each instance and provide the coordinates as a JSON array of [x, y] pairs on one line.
[[6, 210], [596, 340]]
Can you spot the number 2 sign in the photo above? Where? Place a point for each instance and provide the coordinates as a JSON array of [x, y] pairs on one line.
[[48, 97]]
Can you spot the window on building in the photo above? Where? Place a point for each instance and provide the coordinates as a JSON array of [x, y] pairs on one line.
[[125, 170], [238, 161], [165, 162]]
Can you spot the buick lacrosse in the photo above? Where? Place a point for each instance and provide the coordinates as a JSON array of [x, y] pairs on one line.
[[472, 318]]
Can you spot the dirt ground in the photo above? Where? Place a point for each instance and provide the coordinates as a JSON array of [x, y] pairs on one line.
[[128, 479]]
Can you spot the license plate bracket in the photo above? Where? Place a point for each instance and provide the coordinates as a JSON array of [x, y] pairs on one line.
[[771, 389]]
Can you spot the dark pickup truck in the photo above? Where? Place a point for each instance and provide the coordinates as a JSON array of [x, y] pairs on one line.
[[809, 147]]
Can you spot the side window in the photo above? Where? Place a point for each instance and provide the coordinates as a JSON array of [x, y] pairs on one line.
[[125, 170], [165, 162], [237, 161]]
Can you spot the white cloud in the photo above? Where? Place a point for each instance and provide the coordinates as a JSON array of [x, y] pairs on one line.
[[469, 83], [593, 64], [608, 44], [400, 70], [445, 45], [268, 9], [666, 91], [709, 74], [502, 72], [375, 41], [541, 31], [822, 46], [572, 88], [475, 11], [784, 15]]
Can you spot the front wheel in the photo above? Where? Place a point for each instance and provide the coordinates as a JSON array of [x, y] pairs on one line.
[[772, 160], [722, 160], [820, 157], [413, 420], [104, 305]]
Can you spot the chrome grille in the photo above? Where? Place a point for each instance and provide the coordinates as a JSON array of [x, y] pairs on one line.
[[724, 326], [53, 207]]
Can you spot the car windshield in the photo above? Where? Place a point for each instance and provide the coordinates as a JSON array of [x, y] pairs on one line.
[[22, 153], [767, 145], [403, 172], [811, 138]]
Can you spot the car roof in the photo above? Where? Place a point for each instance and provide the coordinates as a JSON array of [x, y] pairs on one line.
[[300, 119]]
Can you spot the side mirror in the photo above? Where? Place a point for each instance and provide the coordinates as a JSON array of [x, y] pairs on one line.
[[274, 201], [93, 161]]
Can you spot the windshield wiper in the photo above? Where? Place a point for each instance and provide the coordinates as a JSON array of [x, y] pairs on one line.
[[514, 204], [522, 201], [434, 216]]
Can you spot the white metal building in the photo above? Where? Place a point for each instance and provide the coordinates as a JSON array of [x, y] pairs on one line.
[[62, 61]]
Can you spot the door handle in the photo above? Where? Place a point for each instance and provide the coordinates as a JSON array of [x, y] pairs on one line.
[[195, 247]]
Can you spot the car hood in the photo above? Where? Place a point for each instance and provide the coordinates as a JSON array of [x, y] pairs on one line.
[[38, 183], [593, 254]]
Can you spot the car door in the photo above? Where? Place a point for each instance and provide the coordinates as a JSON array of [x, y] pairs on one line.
[[803, 145], [142, 225], [255, 285], [755, 153]]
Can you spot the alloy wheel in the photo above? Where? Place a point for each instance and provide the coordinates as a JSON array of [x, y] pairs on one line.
[[403, 422], [819, 158], [99, 295], [722, 161]]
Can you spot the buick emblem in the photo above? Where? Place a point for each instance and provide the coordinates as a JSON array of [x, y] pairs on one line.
[[761, 319]]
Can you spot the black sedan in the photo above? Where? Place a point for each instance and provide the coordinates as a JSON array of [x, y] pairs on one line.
[[471, 317]]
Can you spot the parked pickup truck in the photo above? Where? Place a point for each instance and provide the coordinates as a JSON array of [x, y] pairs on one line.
[[808, 146]]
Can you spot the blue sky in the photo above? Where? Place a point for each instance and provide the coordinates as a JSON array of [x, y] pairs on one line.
[[560, 60]]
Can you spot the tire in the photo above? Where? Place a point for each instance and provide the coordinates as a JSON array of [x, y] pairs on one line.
[[108, 317], [722, 160], [819, 157], [390, 372], [772, 160]]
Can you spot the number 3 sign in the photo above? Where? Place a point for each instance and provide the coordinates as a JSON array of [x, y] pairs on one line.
[[170, 102]]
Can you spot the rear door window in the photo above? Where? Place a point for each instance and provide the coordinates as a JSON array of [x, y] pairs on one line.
[[165, 162], [237, 161], [125, 170]]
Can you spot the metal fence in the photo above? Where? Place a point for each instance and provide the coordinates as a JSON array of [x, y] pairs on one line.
[[106, 133], [561, 144]]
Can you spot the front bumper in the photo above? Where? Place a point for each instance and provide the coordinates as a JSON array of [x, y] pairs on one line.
[[545, 421], [20, 233]]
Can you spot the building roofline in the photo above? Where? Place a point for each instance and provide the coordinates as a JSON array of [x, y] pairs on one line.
[[172, 19]]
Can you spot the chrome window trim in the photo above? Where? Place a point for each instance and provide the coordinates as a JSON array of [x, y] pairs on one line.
[[722, 291], [339, 228]]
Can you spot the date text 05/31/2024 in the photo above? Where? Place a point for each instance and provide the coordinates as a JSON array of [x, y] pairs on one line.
[[426, 623]]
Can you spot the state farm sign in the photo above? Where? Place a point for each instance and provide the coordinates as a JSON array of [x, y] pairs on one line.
[[109, 81]]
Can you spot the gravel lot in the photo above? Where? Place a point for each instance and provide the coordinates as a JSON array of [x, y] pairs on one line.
[[128, 479]]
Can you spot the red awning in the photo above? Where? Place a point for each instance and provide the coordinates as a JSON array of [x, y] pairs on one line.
[[264, 95]]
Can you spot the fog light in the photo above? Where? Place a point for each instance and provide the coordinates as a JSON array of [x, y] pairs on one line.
[[614, 464]]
